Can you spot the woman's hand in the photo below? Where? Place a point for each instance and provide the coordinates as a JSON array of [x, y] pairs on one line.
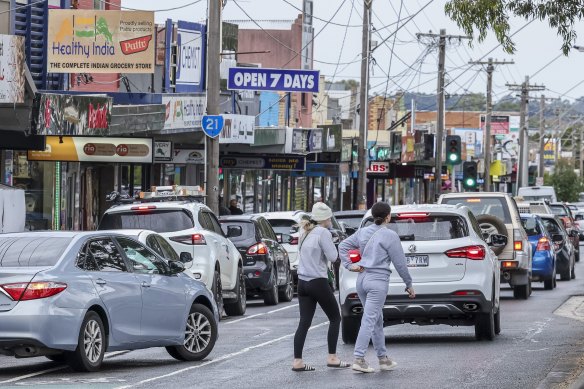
[[411, 292], [356, 268]]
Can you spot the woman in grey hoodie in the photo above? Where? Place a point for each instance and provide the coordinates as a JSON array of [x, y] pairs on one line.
[[379, 248]]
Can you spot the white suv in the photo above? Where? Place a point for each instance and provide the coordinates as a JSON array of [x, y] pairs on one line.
[[454, 271], [194, 232]]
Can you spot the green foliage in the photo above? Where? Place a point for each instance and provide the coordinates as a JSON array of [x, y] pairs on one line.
[[482, 16], [565, 181]]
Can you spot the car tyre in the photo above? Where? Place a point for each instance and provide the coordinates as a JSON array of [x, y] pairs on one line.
[[350, 329], [492, 224], [91, 345], [287, 291], [217, 290], [521, 292], [549, 284], [566, 275], [271, 295], [498, 321], [573, 272], [238, 307], [200, 335], [485, 326]]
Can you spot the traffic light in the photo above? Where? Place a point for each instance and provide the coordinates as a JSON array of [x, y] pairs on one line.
[[469, 175], [453, 149], [221, 176]]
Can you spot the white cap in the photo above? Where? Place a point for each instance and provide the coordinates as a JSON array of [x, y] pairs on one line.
[[321, 212]]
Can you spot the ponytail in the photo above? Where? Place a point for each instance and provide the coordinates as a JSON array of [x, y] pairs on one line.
[[308, 225]]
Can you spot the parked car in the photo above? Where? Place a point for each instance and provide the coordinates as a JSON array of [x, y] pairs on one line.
[[565, 253], [543, 249], [546, 193], [565, 213], [497, 213], [350, 220], [189, 226], [455, 273], [73, 296], [265, 260]]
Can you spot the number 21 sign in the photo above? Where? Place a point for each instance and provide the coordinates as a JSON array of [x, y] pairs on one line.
[[212, 125]]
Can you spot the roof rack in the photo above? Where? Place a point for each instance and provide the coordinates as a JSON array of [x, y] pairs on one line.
[[160, 194]]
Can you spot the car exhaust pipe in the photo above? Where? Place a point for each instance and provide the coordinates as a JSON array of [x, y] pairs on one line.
[[506, 275], [357, 310], [470, 307]]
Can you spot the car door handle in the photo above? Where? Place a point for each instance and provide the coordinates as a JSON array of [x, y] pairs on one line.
[[100, 281], [145, 284]]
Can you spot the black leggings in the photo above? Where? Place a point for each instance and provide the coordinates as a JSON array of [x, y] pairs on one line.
[[309, 294]]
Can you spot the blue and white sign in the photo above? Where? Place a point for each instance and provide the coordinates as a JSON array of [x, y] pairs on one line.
[[212, 125], [190, 66], [281, 80]]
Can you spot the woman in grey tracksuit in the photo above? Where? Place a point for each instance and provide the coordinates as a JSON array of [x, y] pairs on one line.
[[379, 247]]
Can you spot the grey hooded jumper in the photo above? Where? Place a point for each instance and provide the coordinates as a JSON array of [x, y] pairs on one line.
[[317, 249]]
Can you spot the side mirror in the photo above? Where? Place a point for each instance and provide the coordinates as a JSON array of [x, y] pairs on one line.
[[185, 257], [350, 230], [176, 267], [498, 240], [558, 238], [573, 233], [279, 238], [234, 231]]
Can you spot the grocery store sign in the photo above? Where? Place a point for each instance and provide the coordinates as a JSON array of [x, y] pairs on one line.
[[281, 80], [94, 149], [184, 111], [94, 41], [12, 80]]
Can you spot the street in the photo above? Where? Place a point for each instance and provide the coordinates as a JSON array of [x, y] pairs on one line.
[[536, 348]]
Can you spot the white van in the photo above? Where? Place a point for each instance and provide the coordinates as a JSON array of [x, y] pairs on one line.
[[531, 193]]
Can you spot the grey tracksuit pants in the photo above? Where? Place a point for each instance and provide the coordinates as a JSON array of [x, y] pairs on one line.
[[372, 290]]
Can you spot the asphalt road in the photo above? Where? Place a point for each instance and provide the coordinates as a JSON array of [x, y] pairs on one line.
[[536, 349]]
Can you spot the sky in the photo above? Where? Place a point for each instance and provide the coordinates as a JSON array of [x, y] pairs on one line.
[[413, 66]]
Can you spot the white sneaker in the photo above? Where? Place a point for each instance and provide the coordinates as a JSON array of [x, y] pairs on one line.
[[386, 364], [361, 365]]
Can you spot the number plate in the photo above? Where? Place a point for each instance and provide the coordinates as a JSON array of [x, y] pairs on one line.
[[417, 260]]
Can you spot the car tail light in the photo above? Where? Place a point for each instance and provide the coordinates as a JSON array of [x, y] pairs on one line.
[[518, 245], [257, 249], [467, 293], [543, 244], [354, 256], [143, 208], [412, 215], [194, 239], [23, 291], [517, 240], [353, 296], [293, 240], [509, 264], [470, 252]]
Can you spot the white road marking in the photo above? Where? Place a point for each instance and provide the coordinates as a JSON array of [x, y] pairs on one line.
[[261, 314], [219, 359], [573, 308]]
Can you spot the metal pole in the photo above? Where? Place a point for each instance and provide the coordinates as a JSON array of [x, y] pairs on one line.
[[523, 138], [213, 60], [541, 136], [487, 175], [440, 118], [558, 137], [363, 116]]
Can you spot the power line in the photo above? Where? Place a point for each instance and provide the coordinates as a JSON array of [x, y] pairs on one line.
[[546, 65]]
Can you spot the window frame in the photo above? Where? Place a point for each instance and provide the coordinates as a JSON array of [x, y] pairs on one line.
[[166, 271], [115, 243]]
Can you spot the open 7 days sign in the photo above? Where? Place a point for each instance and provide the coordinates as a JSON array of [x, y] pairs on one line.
[[282, 80]]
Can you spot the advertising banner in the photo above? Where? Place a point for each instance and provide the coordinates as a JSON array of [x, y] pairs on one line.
[[184, 111], [94, 41], [190, 66], [196, 157], [473, 140], [408, 151], [238, 129], [94, 149], [162, 151], [264, 163], [333, 136], [500, 124], [73, 114], [281, 80], [12, 69]]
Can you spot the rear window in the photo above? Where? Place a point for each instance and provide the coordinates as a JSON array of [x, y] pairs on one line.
[[351, 221], [283, 226], [559, 210], [431, 227], [496, 206], [531, 226], [247, 230], [158, 221], [552, 226], [29, 251]]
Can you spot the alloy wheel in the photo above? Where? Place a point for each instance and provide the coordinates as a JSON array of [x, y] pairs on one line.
[[92, 341], [198, 333]]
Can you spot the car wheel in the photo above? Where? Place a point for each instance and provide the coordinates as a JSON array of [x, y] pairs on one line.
[[492, 225], [200, 335], [238, 307], [498, 321], [549, 284], [566, 274], [271, 295], [573, 272], [521, 292], [485, 326], [91, 345], [56, 358], [217, 290], [287, 291], [350, 329]]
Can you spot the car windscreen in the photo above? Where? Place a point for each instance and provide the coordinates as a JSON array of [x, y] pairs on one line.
[[247, 230], [531, 226], [32, 251], [284, 226], [428, 227], [168, 220], [559, 210], [495, 206], [351, 221], [537, 197]]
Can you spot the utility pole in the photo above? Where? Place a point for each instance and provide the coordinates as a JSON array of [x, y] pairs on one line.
[[522, 168], [442, 37], [487, 141], [364, 108], [541, 169], [213, 60], [558, 137]]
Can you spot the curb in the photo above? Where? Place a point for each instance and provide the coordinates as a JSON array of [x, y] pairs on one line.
[[579, 383]]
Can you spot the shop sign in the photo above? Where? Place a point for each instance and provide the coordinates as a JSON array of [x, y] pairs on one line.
[[314, 140], [162, 151], [500, 124], [378, 168], [472, 139], [347, 149], [408, 150], [322, 170], [299, 140], [238, 129], [196, 157], [12, 79], [264, 163], [190, 66], [94, 149], [184, 111], [333, 135], [93, 41], [281, 80], [73, 114]]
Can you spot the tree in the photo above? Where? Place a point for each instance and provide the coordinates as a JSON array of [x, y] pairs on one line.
[[482, 16], [565, 181]]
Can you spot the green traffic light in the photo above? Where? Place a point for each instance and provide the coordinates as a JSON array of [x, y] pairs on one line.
[[453, 157], [470, 182]]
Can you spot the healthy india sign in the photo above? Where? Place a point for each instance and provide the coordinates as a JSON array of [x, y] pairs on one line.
[[100, 41]]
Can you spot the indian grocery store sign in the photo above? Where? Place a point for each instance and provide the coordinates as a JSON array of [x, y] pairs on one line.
[[281, 80], [100, 41], [94, 149]]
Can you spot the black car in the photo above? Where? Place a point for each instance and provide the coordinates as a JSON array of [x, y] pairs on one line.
[[265, 262], [565, 253], [350, 220]]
